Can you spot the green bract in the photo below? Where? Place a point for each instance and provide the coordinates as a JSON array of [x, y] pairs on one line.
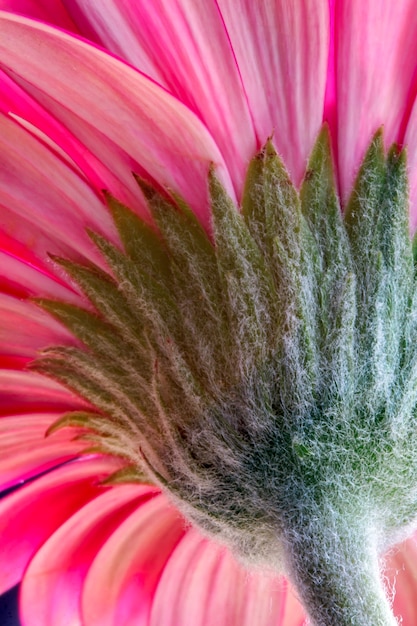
[[267, 379]]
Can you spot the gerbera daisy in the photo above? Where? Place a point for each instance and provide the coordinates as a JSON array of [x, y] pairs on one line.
[[208, 311]]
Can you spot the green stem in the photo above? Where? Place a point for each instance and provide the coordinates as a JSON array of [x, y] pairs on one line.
[[337, 574]]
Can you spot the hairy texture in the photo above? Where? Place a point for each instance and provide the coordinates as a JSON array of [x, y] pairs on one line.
[[267, 379]]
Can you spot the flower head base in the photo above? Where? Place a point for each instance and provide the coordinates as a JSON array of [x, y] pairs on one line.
[[266, 380]]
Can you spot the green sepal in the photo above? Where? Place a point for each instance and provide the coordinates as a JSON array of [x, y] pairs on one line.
[[91, 421], [331, 270], [330, 257], [150, 298], [103, 293], [94, 282], [158, 308], [361, 219], [270, 206], [376, 220], [100, 383], [96, 449], [339, 357], [74, 419], [321, 208], [178, 225], [104, 444], [97, 429], [394, 217], [194, 278], [129, 474], [245, 276], [92, 330], [361, 213], [140, 240], [272, 211], [362, 222]]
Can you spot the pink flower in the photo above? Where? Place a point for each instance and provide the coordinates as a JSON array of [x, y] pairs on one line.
[[165, 89]]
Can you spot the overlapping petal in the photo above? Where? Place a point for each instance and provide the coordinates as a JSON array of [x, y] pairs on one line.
[[44, 203], [25, 452], [148, 124], [52, 588], [184, 46], [376, 81], [25, 329], [118, 180], [121, 583], [24, 391], [202, 581], [31, 514], [281, 49], [52, 11]]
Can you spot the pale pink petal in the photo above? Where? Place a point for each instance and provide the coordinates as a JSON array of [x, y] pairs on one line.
[[121, 583], [32, 425], [202, 581], [23, 279], [24, 450], [111, 25], [52, 586], [31, 514], [16, 102], [52, 11], [139, 116], [376, 60], [27, 391], [402, 570], [30, 274], [25, 328], [273, 601], [39, 192], [183, 45], [282, 51]]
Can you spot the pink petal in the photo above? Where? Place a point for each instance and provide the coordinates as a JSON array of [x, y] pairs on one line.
[[52, 11], [151, 126], [183, 45], [24, 450], [25, 329], [202, 581], [41, 193], [31, 514], [281, 49], [402, 570], [116, 27], [13, 362], [121, 583], [376, 52], [17, 102], [52, 586], [23, 392], [24, 279]]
